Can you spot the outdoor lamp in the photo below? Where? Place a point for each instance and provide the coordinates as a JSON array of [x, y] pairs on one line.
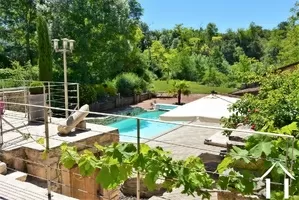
[[55, 44], [64, 42], [71, 42]]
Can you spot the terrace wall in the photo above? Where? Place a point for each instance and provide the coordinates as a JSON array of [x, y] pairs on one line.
[[117, 101], [17, 96]]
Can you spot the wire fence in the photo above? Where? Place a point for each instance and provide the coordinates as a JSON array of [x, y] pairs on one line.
[[182, 139]]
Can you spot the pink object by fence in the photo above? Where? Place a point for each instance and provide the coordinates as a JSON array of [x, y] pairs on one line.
[[2, 107]]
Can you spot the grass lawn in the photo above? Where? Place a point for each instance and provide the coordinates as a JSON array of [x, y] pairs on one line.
[[162, 86]]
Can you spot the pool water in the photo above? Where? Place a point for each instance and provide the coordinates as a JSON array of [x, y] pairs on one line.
[[128, 128]]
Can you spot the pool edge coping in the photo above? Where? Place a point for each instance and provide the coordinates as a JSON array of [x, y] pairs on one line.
[[165, 133]]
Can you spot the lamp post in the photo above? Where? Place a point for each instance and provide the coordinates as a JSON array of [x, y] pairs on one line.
[[67, 46]]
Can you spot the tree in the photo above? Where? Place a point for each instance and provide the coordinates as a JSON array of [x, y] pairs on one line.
[[179, 88], [17, 29], [210, 32], [44, 50], [105, 36], [290, 48]]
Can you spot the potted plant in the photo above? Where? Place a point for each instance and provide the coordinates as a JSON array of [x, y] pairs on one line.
[[36, 97]]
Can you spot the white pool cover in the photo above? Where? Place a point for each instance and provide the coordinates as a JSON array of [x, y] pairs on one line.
[[207, 109]]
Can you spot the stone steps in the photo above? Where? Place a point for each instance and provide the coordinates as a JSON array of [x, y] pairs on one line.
[[17, 175]]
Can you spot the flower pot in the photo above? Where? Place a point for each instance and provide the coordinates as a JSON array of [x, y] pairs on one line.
[[128, 188], [36, 113]]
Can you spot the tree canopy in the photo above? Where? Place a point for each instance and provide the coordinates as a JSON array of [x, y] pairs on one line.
[[111, 39]]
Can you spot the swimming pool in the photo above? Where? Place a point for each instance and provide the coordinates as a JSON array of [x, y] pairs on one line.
[[165, 107], [148, 129]]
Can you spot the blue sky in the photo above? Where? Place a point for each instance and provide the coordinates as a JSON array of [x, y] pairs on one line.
[[226, 14]]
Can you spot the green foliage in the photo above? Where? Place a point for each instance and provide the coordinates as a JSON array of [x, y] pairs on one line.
[[128, 84], [202, 55], [36, 87], [274, 109], [44, 50], [110, 89], [236, 182], [18, 72], [119, 161], [100, 91], [88, 94]]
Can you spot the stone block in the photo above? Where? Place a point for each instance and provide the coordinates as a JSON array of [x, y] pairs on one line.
[[20, 176], [3, 168], [15, 159], [41, 170]]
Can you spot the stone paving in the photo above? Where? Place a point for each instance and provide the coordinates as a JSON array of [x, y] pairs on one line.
[[188, 141], [183, 142]]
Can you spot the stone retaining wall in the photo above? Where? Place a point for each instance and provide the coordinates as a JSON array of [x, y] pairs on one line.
[[17, 96], [116, 102], [64, 180]]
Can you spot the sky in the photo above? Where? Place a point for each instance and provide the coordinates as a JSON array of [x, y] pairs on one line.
[[159, 14]]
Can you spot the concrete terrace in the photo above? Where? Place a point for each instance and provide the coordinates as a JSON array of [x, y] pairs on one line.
[[25, 154], [12, 139]]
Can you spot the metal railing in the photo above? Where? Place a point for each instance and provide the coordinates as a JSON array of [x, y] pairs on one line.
[[182, 139], [54, 95]]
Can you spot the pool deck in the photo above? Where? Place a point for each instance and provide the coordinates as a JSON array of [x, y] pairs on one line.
[[184, 142], [187, 141]]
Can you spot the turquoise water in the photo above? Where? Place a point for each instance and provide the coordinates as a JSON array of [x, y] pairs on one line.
[[148, 129], [165, 106]]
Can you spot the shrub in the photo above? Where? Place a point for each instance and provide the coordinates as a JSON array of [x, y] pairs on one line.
[[128, 83], [100, 91], [36, 87], [110, 88], [88, 94]]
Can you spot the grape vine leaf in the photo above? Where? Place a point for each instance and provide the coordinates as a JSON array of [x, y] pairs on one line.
[[238, 154], [293, 152], [226, 162], [103, 178], [289, 128], [260, 148], [99, 147], [41, 141], [144, 148]]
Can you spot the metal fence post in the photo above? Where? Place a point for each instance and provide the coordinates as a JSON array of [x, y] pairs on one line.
[[25, 98], [78, 96], [2, 112], [48, 173], [138, 151], [49, 95]]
